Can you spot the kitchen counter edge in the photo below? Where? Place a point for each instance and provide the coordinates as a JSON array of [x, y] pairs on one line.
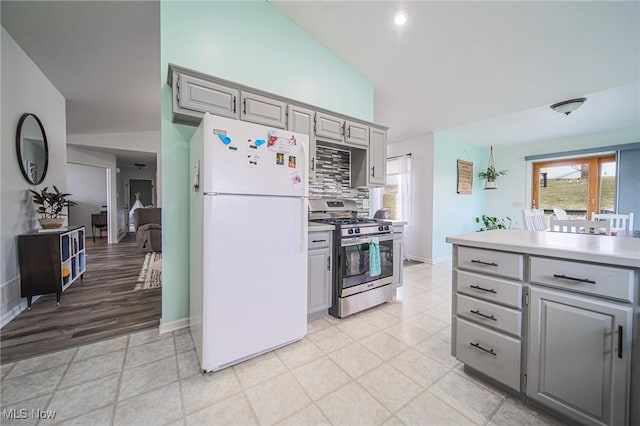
[[604, 249], [314, 226]]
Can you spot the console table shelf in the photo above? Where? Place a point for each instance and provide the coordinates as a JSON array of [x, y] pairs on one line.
[[51, 261]]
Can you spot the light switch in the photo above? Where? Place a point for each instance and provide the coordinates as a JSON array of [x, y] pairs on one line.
[[365, 203], [517, 204]]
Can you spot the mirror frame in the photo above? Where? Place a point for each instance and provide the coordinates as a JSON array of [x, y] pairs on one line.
[[25, 173]]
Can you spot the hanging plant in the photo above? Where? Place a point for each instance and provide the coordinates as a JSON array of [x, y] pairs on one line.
[[490, 175]]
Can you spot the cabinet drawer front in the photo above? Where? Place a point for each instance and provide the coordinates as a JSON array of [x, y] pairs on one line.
[[319, 239], [492, 262], [263, 110], [490, 314], [357, 134], [490, 288], [606, 281], [330, 127], [490, 352], [204, 96]]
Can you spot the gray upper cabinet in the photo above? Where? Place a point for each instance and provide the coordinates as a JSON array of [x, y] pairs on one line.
[[329, 127], [300, 120], [263, 110], [200, 96], [356, 134], [377, 158]]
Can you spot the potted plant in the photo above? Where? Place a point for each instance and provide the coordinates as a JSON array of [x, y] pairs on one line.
[[51, 205], [491, 174], [491, 222]]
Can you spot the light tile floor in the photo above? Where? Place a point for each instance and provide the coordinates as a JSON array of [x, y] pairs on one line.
[[387, 366]]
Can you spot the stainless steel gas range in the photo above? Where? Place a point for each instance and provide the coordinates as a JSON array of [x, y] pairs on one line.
[[354, 239]]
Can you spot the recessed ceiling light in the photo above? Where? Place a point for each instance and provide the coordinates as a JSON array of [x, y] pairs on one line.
[[401, 16]]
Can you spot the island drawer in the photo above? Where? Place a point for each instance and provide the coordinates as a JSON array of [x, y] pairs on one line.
[[319, 239], [492, 262], [490, 352], [490, 288], [605, 281], [490, 314]]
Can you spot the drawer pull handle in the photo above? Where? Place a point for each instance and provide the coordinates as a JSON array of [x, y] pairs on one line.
[[489, 351], [477, 312], [488, 290], [582, 280], [484, 263], [318, 241], [620, 339]]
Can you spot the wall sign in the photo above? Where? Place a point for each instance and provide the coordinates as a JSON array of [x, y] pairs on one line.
[[465, 177]]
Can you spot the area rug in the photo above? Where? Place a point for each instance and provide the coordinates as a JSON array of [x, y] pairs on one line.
[[151, 273]]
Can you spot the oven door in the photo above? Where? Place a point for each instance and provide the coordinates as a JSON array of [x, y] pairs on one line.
[[354, 276]]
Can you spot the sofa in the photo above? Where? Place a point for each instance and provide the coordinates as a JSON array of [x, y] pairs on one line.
[[147, 223]]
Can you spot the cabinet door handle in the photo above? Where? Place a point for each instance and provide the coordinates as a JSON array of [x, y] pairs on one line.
[[313, 164], [484, 263], [373, 171], [244, 106], [328, 263], [234, 104], [489, 351], [349, 132], [488, 290], [582, 280], [477, 312], [318, 241], [620, 340]]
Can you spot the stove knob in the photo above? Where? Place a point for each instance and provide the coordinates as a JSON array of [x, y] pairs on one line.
[[350, 231], [357, 230], [386, 227], [380, 228]]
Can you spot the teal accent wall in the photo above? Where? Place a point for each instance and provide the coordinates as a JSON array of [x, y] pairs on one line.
[[455, 213], [253, 44]]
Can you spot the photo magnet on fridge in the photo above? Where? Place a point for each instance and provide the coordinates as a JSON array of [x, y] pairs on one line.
[[280, 159], [292, 161]]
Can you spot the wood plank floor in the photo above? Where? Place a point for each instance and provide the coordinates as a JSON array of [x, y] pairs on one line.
[[101, 306]]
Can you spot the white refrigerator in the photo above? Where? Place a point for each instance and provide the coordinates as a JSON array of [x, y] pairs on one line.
[[248, 248]]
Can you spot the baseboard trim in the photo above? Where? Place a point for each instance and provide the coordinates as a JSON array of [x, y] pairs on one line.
[[168, 327], [439, 260], [416, 258]]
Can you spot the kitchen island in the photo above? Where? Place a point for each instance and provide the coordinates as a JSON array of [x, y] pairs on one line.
[[553, 318]]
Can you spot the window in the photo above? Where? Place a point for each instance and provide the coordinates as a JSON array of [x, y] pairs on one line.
[[580, 186], [397, 189]]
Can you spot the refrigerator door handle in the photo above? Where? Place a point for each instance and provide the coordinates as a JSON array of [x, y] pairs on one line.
[[304, 235], [196, 177]]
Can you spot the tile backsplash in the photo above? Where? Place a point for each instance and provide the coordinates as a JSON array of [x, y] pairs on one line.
[[333, 178]]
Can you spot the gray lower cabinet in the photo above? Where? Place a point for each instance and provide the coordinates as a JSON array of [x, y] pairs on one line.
[[319, 280], [300, 120], [329, 127], [196, 96], [579, 357], [398, 256], [263, 110]]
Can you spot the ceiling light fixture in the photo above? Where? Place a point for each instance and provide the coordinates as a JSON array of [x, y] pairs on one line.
[[140, 166], [567, 107], [401, 16]]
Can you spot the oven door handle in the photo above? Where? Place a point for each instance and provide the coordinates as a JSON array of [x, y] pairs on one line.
[[364, 240]]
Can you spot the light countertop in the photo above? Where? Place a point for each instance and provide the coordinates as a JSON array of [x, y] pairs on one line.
[[606, 249], [315, 226]]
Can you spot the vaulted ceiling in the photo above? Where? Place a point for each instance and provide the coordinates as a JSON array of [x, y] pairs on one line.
[[484, 72]]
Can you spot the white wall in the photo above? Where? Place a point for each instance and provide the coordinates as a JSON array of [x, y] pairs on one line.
[[418, 233], [24, 89], [132, 141], [88, 188], [514, 191]]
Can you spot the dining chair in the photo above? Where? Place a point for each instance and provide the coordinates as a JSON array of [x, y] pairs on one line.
[[619, 222], [561, 214], [533, 220], [581, 226]]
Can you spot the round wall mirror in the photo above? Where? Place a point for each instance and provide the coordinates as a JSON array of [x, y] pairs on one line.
[[32, 148]]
